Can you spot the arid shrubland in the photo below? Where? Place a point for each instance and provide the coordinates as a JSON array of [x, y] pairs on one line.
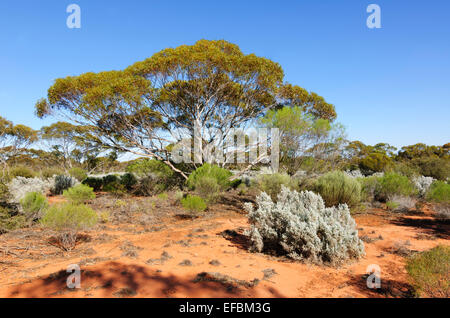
[[300, 226]]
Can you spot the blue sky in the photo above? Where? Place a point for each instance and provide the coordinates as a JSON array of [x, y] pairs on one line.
[[388, 85]]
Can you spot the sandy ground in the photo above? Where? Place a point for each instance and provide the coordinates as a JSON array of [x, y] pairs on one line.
[[208, 257]]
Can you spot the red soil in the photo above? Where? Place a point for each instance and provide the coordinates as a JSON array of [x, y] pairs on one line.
[[108, 272]]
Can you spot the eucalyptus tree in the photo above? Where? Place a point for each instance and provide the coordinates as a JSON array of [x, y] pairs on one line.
[[158, 102]]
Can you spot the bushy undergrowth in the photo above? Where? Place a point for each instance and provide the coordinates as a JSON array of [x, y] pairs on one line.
[[422, 184], [51, 172], [68, 219], [21, 171], [221, 175], [300, 226], [79, 194], [272, 183], [10, 220], [34, 204], [20, 186], [78, 173], [63, 182], [439, 192], [392, 184], [429, 272], [338, 188], [94, 183], [193, 203]]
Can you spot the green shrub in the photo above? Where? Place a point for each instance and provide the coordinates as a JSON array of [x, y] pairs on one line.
[[68, 219], [163, 196], [34, 204], [429, 272], [128, 180], [208, 188], [271, 183], [111, 178], [392, 184], [221, 175], [95, 183], [78, 173], [10, 221], [21, 171], [62, 183], [51, 172], [79, 194], [337, 188], [439, 192], [148, 167], [369, 187], [392, 205], [193, 203], [438, 168]]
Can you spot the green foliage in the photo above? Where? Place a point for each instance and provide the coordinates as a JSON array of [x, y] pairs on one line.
[[392, 205], [78, 173], [439, 192], [128, 180], [392, 184], [221, 175], [62, 183], [163, 196], [10, 221], [21, 171], [375, 162], [337, 188], [271, 183], [438, 168], [429, 272], [79, 194], [369, 187], [69, 217], [33, 204], [147, 167], [208, 188], [193, 203], [95, 183], [50, 172]]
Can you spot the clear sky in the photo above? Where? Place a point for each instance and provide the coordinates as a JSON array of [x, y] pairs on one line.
[[388, 85]]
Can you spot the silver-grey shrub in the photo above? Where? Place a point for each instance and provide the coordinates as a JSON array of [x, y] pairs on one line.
[[20, 186], [422, 184], [300, 226]]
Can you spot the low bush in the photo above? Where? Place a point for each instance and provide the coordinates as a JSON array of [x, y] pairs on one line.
[[337, 188], [79, 194], [62, 183], [221, 175], [272, 183], [21, 171], [95, 183], [68, 219], [163, 196], [422, 184], [20, 186], [78, 173], [10, 221], [392, 205], [429, 272], [51, 172], [300, 226], [208, 188], [193, 203], [34, 204], [392, 184], [401, 203], [369, 186], [128, 180], [439, 192]]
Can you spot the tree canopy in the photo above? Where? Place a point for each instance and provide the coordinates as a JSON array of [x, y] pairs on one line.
[[157, 102]]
